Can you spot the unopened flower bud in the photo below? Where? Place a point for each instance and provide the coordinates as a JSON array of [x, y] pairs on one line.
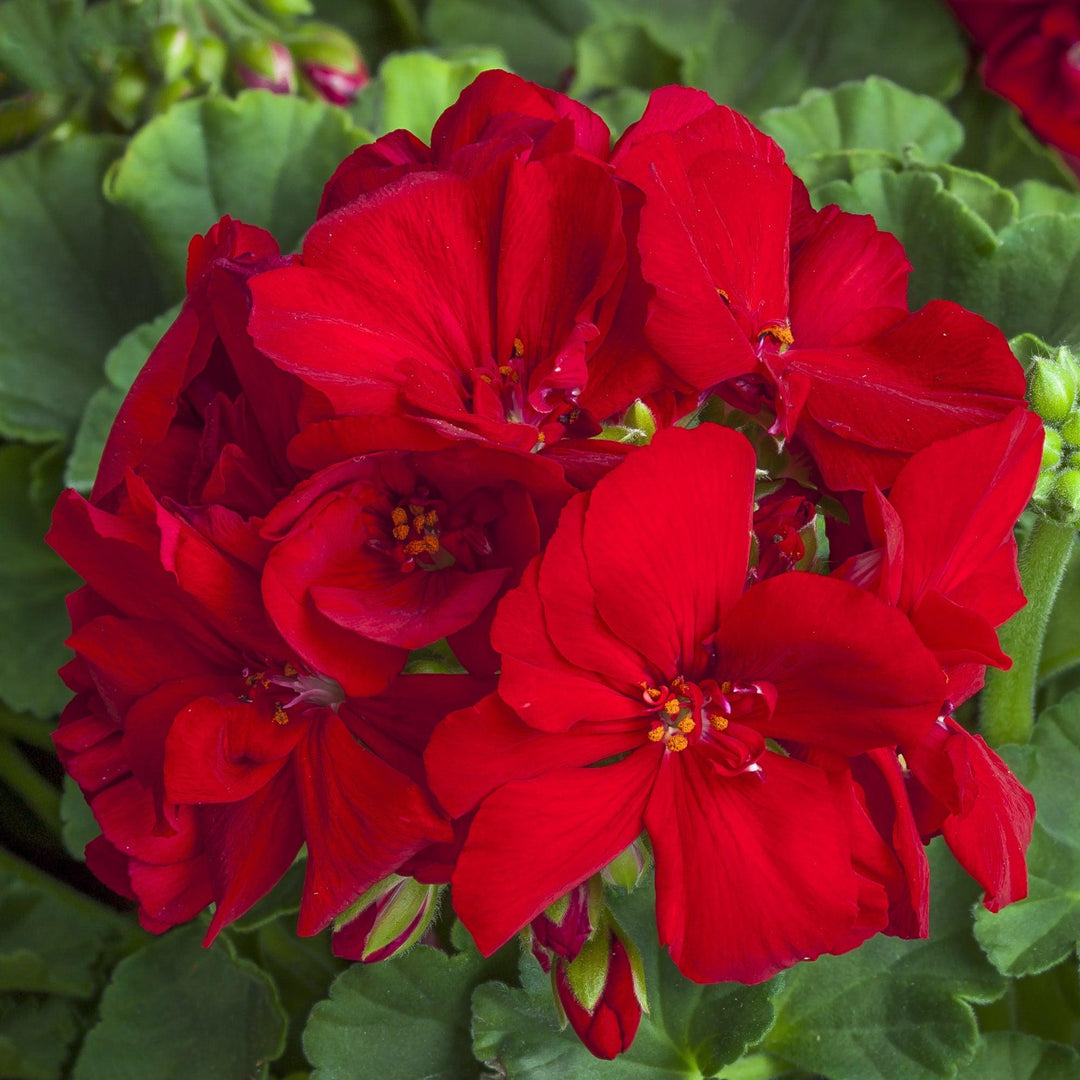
[[126, 92], [331, 62], [286, 9], [628, 868], [265, 65], [1070, 430], [211, 60], [1065, 497], [389, 918], [563, 928], [1052, 449], [602, 992], [173, 51], [1053, 382], [171, 93]]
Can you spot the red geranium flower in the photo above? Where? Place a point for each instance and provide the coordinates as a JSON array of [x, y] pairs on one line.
[[638, 688], [802, 313]]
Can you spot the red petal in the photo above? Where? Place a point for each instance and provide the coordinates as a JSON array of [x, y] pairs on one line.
[[849, 671], [534, 840], [667, 538], [733, 904]]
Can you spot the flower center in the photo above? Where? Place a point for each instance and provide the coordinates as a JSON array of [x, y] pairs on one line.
[[265, 688], [686, 712], [415, 527]]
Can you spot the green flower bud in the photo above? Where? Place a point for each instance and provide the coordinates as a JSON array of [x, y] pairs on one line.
[[628, 868], [389, 918], [1052, 384], [1066, 496], [287, 9], [171, 93], [1070, 430], [265, 65], [126, 92], [211, 59], [1052, 449], [172, 50]]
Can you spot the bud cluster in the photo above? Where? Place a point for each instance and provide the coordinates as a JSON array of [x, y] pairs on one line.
[[1053, 390]]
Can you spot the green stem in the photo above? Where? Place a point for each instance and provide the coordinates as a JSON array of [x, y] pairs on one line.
[[407, 18], [755, 1067], [34, 790], [27, 729], [1008, 701]]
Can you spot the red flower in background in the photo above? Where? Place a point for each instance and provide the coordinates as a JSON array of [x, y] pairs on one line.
[[1032, 58], [638, 687]]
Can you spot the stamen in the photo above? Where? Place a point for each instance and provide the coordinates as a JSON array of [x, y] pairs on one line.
[[686, 725], [398, 516], [431, 543], [651, 693], [400, 532], [431, 518], [418, 522], [677, 743], [656, 733], [781, 334], [289, 670], [672, 707], [280, 715], [718, 721], [519, 348], [726, 687]]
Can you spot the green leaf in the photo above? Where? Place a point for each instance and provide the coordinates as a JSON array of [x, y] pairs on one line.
[[892, 1008], [263, 158], [1008, 1055], [79, 826], [36, 1035], [38, 44], [997, 141], [416, 87], [1034, 934], [371, 1006], [175, 1011], [123, 363], [1035, 197], [768, 52], [689, 1031], [33, 584], [537, 36], [874, 114], [74, 277], [610, 56]]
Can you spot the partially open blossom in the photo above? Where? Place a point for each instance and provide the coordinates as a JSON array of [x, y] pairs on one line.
[[389, 918], [330, 61], [265, 65]]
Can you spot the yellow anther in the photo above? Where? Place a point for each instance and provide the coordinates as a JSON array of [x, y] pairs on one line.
[[280, 715], [719, 722], [398, 516], [289, 670], [505, 370], [431, 518], [254, 677], [686, 725], [654, 694], [672, 707], [726, 687], [415, 547], [678, 684], [780, 333], [401, 532], [656, 734], [723, 296], [431, 543], [418, 522], [678, 742], [519, 348]]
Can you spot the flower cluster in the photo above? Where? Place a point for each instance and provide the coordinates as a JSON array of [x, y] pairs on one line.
[[1031, 57], [705, 532]]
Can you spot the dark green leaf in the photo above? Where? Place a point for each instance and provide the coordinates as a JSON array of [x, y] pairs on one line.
[[38, 44], [33, 584], [74, 277], [175, 1011], [122, 364], [874, 114], [263, 158], [1034, 934], [36, 1035], [892, 1008], [615, 55], [1011, 1056], [79, 825], [406, 1017], [689, 1031], [769, 51], [1061, 646]]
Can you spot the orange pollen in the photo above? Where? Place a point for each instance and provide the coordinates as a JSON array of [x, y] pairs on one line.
[[780, 333], [540, 437], [505, 370], [654, 694], [678, 684], [254, 677], [431, 543], [656, 734], [724, 296], [686, 725], [398, 516], [672, 707], [289, 670], [726, 687], [486, 378], [417, 547], [431, 518], [519, 348], [418, 522], [677, 743], [401, 532], [280, 715], [718, 722]]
